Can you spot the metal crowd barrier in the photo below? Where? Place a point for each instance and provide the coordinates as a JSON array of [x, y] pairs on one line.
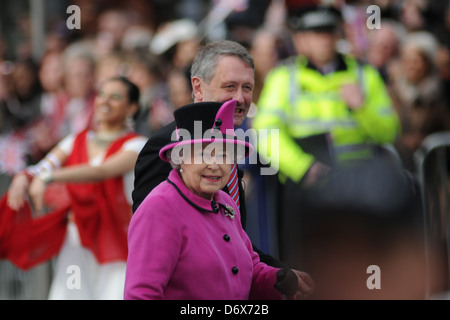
[[16, 284], [433, 165]]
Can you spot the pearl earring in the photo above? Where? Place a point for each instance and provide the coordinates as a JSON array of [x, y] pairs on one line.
[[181, 170]]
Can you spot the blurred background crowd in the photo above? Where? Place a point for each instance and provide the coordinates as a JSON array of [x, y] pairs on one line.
[[49, 73]]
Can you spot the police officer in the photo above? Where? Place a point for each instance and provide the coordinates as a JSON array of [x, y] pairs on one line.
[[329, 108]]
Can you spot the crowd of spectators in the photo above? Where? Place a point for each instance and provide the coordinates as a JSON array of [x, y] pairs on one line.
[[154, 42]]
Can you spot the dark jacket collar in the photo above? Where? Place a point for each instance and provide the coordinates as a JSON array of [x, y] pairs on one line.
[[193, 199], [338, 65]]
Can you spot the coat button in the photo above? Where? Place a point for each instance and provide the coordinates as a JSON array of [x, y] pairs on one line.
[[226, 238], [235, 270]]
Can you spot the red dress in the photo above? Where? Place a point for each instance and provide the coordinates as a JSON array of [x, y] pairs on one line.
[[101, 213]]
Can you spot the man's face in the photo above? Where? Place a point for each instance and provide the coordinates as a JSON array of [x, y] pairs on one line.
[[319, 46], [232, 79]]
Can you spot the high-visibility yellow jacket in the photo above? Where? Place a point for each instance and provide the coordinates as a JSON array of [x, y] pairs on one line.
[[299, 101]]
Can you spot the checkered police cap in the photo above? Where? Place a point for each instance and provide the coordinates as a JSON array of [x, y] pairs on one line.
[[316, 18]]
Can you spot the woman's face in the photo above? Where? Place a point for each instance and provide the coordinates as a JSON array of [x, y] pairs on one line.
[[207, 170], [319, 47], [112, 106], [415, 65], [51, 73], [79, 78]]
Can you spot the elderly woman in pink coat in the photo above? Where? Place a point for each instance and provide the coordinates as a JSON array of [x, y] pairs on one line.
[[185, 240]]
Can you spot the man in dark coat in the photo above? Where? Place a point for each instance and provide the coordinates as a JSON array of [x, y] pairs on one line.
[[221, 71]]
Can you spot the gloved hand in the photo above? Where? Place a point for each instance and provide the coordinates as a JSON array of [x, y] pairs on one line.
[[287, 282]]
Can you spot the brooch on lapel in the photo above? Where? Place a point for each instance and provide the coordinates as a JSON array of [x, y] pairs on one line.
[[229, 211]]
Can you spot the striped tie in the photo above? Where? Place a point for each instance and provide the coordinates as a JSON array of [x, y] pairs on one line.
[[233, 185]]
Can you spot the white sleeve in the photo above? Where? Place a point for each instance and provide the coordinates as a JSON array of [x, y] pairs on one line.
[[66, 144], [135, 144]]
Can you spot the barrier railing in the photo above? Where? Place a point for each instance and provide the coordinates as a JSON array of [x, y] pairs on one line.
[[433, 166]]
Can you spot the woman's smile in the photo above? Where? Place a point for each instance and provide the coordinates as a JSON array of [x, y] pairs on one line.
[[212, 178], [205, 179]]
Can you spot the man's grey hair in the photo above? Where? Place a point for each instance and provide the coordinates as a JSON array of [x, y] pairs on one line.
[[204, 64]]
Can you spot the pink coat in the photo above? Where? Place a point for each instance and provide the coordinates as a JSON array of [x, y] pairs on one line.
[[180, 252]]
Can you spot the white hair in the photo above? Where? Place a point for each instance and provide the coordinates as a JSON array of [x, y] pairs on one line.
[[424, 41]]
